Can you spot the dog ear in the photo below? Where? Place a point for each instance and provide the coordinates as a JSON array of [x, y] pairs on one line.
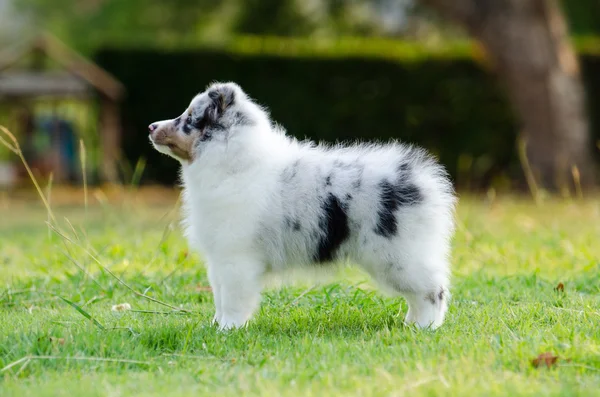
[[222, 97]]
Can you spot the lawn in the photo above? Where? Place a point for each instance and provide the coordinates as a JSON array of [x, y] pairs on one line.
[[339, 338]]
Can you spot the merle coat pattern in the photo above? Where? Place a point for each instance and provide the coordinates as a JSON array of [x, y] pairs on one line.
[[258, 202]]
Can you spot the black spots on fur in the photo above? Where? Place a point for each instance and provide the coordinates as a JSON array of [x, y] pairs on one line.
[[392, 197], [200, 123], [221, 98], [430, 297], [206, 136], [290, 172], [341, 165], [389, 268], [328, 180], [240, 118], [177, 122], [403, 168], [207, 122], [292, 224], [217, 127], [345, 203], [334, 228], [357, 184], [387, 225], [433, 298], [394, 268]]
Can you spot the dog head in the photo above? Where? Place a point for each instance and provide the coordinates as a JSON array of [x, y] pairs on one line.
[[208, 120]]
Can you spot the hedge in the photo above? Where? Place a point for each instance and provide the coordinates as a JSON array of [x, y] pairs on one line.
[[449, 104], [582, 16]]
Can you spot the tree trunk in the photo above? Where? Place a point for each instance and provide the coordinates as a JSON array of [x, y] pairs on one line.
[[528, 43]]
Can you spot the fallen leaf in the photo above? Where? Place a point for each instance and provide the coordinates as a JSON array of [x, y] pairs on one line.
[[202, 288], [60, 341], [545, 358], [121, 307], [560, 287]]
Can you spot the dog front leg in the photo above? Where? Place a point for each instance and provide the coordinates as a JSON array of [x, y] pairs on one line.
[[239, 289], [216, 289]]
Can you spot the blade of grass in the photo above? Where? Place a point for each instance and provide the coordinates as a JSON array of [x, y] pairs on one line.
[[84, 313], [16, 149], [49, 198], [25, 364], [154, 312], [15, 363], [140, 166], [85, 272], [577, 181], [29, 302], [295, 301], [166, 230], [82, 158], [533, 187], [107, 270], [67, 358], [72, 229]]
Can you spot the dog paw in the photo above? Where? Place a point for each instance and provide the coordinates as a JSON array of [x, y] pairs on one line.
[[230, 324]]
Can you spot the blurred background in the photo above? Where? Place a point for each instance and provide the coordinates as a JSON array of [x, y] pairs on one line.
[[505, 92]]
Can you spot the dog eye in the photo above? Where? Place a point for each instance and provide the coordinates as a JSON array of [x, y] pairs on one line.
[[188, 120]]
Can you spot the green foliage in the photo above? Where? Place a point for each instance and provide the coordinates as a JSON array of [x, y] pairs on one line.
[[346, 90], [583, 16], [347, 47], [338, 339], [279, 17], [87, 23]]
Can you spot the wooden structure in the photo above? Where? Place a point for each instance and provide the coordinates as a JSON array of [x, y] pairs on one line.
[[45, 68]]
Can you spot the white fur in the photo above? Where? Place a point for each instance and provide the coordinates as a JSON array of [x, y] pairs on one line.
[[256, 202]]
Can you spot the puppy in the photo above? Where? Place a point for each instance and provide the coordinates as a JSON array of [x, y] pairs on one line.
[[258, 202]]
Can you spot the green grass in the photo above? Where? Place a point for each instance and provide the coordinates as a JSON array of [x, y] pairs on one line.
[[341, 338]]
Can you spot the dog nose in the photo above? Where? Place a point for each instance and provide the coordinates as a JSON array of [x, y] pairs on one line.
[[152, 127]]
